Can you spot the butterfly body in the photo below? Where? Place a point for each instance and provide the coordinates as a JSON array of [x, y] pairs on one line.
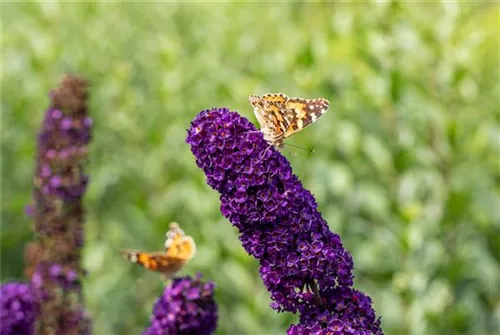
[[280, 116], [179, 249]]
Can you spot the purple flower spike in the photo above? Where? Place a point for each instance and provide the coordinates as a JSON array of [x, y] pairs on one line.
[[186, 307], [59, 184], [18, 309], [301, 259]]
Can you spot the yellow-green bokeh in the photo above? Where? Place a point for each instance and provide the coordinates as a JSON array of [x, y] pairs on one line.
[[406, 162]]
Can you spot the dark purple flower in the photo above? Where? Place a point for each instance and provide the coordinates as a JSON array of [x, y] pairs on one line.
[[279, 222], [18, 309], [187, 306]]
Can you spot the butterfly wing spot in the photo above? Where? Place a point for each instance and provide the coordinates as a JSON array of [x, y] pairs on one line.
[[253, 99], [274, 98], [133, 257], [300, 124]]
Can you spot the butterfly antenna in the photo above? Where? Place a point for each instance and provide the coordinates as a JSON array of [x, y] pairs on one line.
[[124, 253], [296, 146]]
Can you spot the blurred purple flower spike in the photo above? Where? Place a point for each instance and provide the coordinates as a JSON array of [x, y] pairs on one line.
[[59, 185]]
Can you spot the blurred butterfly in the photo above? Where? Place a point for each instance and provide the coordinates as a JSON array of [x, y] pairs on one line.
[[179, 249], [280, 116]]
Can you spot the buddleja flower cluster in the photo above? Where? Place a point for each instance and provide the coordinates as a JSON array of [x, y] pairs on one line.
[[59, 184], [186, 307], [18, 309], [302, 263]]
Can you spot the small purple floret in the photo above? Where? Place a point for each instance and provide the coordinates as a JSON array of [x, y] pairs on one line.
[[71, 276], [87, 122], [29, 210], [55, 271], [66, 123], [56, 114]]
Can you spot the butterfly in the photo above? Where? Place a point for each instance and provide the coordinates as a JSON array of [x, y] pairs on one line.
[[280, 116], [179, 249]]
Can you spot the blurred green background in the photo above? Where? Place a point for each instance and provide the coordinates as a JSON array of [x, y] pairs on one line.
[[406, 167]]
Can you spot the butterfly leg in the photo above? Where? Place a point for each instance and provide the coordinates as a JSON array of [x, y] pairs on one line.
[[314, 289], [265, 151]]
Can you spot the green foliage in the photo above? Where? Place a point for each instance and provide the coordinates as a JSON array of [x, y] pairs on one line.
[[406, 167]]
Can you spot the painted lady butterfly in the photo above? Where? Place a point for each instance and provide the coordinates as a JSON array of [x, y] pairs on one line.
[[280, 116], [179, 249]]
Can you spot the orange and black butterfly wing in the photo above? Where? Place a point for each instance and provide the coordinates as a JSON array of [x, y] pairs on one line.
[[154, 261], [303, 112], [275, 114]]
